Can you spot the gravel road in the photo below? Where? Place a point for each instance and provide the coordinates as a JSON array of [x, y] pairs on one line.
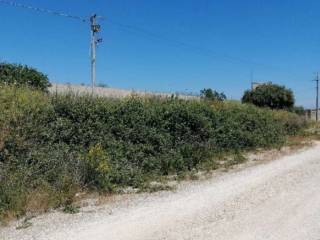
[[274, 200]]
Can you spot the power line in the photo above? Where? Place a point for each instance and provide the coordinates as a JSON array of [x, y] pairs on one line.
[[178, 43], [199, 49], [43, 10]]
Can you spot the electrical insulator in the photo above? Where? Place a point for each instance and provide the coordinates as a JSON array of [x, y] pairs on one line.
[[96, 28]]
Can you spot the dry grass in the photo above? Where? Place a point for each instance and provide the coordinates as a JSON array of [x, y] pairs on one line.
[[38, 202]]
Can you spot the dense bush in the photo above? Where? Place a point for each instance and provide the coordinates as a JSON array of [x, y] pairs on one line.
[[212, 95], [14, 74], [242, 126], [56, 145], [291, 122], [270, 95]]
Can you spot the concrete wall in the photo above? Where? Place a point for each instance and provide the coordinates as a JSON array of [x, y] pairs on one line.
[[311, 114], [108, 92]]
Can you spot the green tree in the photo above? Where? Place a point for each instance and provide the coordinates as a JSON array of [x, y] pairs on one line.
[[270, 95], [212, 95], [22, 75]]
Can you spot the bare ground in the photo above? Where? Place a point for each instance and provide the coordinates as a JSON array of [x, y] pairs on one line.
[[273, 200]]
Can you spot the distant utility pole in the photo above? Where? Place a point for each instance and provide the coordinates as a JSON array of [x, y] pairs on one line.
[[95, 29], [317, 96]]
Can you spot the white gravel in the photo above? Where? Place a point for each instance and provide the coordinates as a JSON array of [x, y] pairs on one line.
[[275, 200]]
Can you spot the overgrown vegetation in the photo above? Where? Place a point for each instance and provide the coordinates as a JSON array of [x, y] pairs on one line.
[[22, 75], [54, 146]]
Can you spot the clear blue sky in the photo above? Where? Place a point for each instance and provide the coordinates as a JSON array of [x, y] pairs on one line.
[[278, 40]]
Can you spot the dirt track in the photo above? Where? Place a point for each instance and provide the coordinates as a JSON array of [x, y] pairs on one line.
[[274, 200]]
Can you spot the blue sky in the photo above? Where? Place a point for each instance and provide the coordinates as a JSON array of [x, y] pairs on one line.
[[278, 41]]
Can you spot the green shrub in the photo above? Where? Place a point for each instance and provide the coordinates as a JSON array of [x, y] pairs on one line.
[[22, 75], [98, 167], [242, 126], [291, 122], [61, 144], [212, 95]]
